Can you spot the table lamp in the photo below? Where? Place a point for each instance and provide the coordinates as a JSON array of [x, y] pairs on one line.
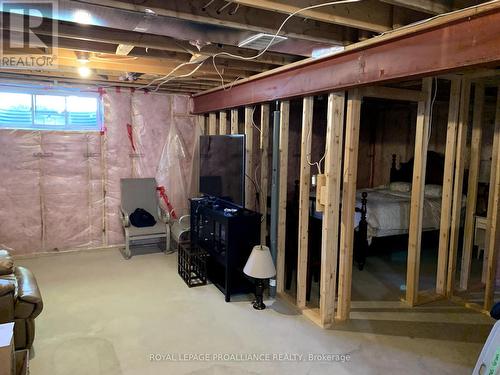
[[260, 266]]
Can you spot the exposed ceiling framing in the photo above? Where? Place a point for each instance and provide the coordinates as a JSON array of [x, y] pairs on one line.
[[467, 39], [165, 34]]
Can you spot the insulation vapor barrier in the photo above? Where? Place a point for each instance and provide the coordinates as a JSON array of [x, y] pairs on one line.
[[61, 190]]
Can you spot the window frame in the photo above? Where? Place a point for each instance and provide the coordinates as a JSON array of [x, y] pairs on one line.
[[67, 127]]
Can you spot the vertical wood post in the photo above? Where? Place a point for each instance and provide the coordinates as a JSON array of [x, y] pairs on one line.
[[458, 185], [348, 203], [222, 123], [234, 121], [330, 224], [475, 162], [249, 167], [493, 229], [417, 194], [212, 124], [495, 149], [264, 168], [447, 198], [283, 184], [304, 193], [195, 176]]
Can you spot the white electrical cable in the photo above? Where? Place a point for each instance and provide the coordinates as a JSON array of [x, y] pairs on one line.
[[253, 122], [431, 110], [181, 76], [308, 156], [168, 75], [276, 34]]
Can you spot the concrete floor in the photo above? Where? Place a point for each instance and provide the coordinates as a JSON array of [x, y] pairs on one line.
[[107, 315]]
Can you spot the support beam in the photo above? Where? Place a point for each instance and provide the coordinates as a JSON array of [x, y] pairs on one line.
[[447, 198], [330, 224], [493, 229], [475, 162], [348, 203], [212, 124], [264, 168], [234, 121], [283, 183], [458, 185], [369, 15], [222, 123], [304, 192], [470, 38], [417, 194], [249, 167], [426, 6]]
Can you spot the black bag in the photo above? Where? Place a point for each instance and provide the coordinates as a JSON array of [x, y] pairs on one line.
[[141, 218]]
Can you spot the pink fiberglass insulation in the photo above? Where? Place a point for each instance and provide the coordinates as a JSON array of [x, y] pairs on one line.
[[20, 208], [61, 190], [118, 159], [71, 194]]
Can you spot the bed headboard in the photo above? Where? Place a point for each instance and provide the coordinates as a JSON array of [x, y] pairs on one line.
[[434, 171]]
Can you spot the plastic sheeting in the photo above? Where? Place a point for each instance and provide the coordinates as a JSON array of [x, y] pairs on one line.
[[61, 190]]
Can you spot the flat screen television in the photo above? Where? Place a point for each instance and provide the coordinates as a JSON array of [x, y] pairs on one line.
[[222, 167]]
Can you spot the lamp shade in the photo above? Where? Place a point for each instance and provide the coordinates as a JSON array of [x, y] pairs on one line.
[[260, 263]]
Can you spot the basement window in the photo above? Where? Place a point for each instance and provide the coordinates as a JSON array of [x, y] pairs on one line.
[[64, 111]]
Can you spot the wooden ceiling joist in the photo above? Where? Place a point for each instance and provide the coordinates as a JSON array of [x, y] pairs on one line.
[[70, 30], [369, 15], [257, 19], [60, 77], [467, 38], [178, 57], [426, 6]]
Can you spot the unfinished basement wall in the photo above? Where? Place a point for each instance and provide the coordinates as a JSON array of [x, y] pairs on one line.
[[61, 190], [387, 128]]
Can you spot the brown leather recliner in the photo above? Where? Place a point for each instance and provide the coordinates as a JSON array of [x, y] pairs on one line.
[[20, 300]]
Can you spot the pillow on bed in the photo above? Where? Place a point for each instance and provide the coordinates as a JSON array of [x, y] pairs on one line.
[[433, 191], [402, 187]]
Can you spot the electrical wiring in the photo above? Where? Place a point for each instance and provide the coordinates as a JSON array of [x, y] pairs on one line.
[[308, 156], [431, 110], [259, 189], [276, 34], [168, 75], [253, 122], [181, 76]]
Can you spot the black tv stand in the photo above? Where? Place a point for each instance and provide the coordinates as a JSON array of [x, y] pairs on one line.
[[228, 233]]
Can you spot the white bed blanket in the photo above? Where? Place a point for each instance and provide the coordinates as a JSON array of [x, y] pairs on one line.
[[388, 212]]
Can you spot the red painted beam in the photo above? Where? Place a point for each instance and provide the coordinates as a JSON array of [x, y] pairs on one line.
[[470, 41]]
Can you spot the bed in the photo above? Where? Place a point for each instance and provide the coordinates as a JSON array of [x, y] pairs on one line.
[[385, 211], [380, 212]]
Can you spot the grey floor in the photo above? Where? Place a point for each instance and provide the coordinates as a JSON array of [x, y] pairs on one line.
[[107, 315]]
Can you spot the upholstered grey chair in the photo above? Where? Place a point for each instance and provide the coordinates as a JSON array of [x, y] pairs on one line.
[[141, 193]]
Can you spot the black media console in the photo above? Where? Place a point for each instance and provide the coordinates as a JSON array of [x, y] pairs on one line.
[[227, 233]]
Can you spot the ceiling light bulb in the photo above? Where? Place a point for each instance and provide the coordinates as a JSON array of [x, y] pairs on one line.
[[84, 71], [82, 16]]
